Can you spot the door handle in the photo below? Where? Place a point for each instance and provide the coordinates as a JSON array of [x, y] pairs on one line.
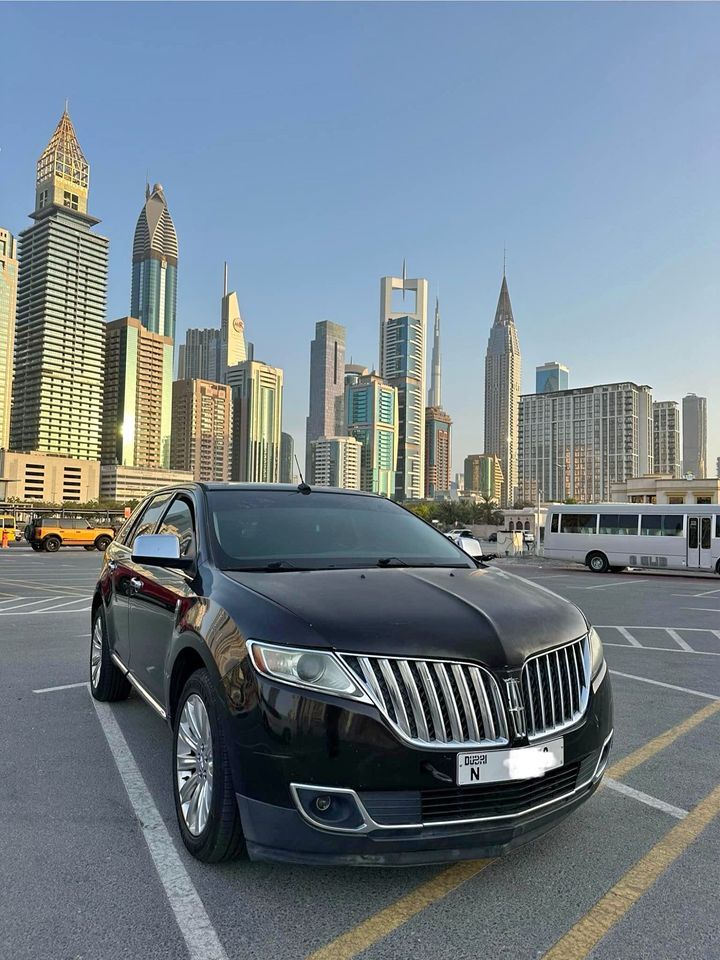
[[136, 584]]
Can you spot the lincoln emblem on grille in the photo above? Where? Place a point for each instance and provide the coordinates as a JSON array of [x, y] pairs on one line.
[[515, 706]]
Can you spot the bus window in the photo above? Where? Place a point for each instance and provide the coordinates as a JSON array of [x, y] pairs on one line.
[[705, 527], [672, 525], [651, 526], [717, 526], [579, 522], [619, 523], [554, 523], [692, 533]]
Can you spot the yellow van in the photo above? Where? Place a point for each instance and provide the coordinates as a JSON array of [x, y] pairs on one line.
[[50, 533], [7, 522]]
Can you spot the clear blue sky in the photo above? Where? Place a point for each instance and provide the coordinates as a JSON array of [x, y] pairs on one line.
[[316, 145]]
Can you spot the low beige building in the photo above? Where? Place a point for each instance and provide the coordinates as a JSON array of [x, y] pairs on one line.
[[133, 483], [49, 477], [664, 488]]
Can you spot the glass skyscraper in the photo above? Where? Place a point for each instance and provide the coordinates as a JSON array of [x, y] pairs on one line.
[[8, 299], [372, 418], [154, 266], [60, 332]]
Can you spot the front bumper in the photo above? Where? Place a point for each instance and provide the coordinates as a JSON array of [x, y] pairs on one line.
[[398, 789]]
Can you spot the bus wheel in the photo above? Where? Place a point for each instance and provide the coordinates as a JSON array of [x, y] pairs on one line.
[[597, 562]]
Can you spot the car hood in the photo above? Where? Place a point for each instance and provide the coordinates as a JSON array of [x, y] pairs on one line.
[[483, 615]]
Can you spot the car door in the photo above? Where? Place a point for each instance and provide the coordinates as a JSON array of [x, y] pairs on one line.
[[154, 596], [121, 573]]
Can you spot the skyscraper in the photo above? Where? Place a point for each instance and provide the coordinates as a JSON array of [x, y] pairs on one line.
[[201, 356], [62, 282], [502, 392], [483, 476], [8, 303], [154, 266], [551, 377], [576, 443], [402, 364], [137, 409], [232, 330], [287, 453], [336, 462], [666, 437], [201, 420], [437, 452], [694, 435], [257, 418], [326, 416], [372, 418], [434, 393]]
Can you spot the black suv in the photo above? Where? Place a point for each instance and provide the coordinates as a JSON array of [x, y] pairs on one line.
[[344, 684]]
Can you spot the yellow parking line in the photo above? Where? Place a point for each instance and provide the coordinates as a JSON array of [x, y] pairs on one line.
[[649, 749], [368, 932], [607, 912]]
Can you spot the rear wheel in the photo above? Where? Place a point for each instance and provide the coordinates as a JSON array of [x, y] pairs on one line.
[[51, 544], [103, 542], [205, 801], [106, 681], [598, 562]]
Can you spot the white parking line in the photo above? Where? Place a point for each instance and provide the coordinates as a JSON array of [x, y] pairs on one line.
[[628, 636], [697, 653], [30, 603], [607, 586], [669, 686], [705, 609], [623, 788], [63, 686], [683, 644], [192, 919]]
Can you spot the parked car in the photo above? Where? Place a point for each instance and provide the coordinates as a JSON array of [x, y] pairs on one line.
[[51, 533], [343, 684], [459, 532], [493, 537], [8, 522]]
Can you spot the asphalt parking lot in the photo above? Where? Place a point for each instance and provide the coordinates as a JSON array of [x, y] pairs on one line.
[[92, 867]]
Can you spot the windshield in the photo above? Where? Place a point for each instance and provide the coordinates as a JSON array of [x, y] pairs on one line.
[[287, 530]]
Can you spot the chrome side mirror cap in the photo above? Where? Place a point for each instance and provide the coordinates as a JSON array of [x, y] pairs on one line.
[[159, 550]]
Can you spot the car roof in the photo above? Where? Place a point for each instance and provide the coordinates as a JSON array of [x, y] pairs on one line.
[[268, 487]]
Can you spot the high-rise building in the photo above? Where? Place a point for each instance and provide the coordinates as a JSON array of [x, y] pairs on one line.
[[666, 437], [502, 393], [60, 330], [200, 357], [435, 391], [372, 418], [232, 330], [257, 417], [403, 322], [551, 377], [287, 454], [326, 416], [154, 266], [483, 476], [576, 443], [137, 411], [437, 452], [336, 462], [201, 423], [694, 435], [353, 372], [8, 302]]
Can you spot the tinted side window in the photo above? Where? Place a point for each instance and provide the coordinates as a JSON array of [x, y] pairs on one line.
[[672, 525], [619, 523], [127, 526], [651, 526], [554, 523], [149, 519], [579, 522], [179, 521]]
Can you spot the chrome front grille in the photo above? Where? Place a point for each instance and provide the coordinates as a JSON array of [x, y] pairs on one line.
[[555, 688], [432, 702]]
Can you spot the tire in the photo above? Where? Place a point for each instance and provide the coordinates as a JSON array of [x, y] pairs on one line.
[[35, 546], [219, 835], [102, 543], [51, 544], [597, 562], [107, 683]]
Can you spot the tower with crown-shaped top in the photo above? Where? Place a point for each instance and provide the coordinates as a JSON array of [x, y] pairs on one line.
[[62, 284], [154, 265], [502, 392]]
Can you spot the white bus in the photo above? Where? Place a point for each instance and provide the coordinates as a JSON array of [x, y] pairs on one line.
[[614, 536]]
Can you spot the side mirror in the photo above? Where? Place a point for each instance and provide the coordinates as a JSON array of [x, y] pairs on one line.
[[471, 546], [159, 550]]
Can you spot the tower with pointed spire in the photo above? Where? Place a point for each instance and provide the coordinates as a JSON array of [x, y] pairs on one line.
[[60, 330], [154, 265], [232, 330], [434, 394], [502, 392], [438, 425]]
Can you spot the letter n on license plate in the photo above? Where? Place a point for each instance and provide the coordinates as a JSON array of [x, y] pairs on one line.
[[522, 763]]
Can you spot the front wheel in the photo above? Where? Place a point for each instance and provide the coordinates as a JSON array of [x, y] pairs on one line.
[[205, 801], [106, 680], [598, 563]]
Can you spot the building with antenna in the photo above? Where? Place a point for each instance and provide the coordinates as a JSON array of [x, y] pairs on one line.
[[438, 425], [60, 330], [154, 265], [326, 414]]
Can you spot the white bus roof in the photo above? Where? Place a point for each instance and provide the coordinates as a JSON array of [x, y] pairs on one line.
[[647, 508]]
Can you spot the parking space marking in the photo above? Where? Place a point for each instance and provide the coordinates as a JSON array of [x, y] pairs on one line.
[[698, 653], [68, 590], [649, 749], [30, 603], [584, 936], [378, 926], [628, 636], [683, 644], [198, 932], [645, 798], [62, 686], [607, 586], [670, 686]]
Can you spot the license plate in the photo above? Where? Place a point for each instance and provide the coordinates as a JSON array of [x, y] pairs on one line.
[[521, 763]]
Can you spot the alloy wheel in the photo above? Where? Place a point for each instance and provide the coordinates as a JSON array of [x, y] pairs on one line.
[[194, 764], [96, 653]]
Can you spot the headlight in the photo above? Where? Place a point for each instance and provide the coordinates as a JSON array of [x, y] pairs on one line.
[[596, 652], [311, 669]]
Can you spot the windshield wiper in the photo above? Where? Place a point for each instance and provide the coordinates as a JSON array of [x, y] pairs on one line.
[[391, 562], [397, 562], [274, 566]]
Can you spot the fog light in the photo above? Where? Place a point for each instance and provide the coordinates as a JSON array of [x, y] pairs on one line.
[[323, 803]]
